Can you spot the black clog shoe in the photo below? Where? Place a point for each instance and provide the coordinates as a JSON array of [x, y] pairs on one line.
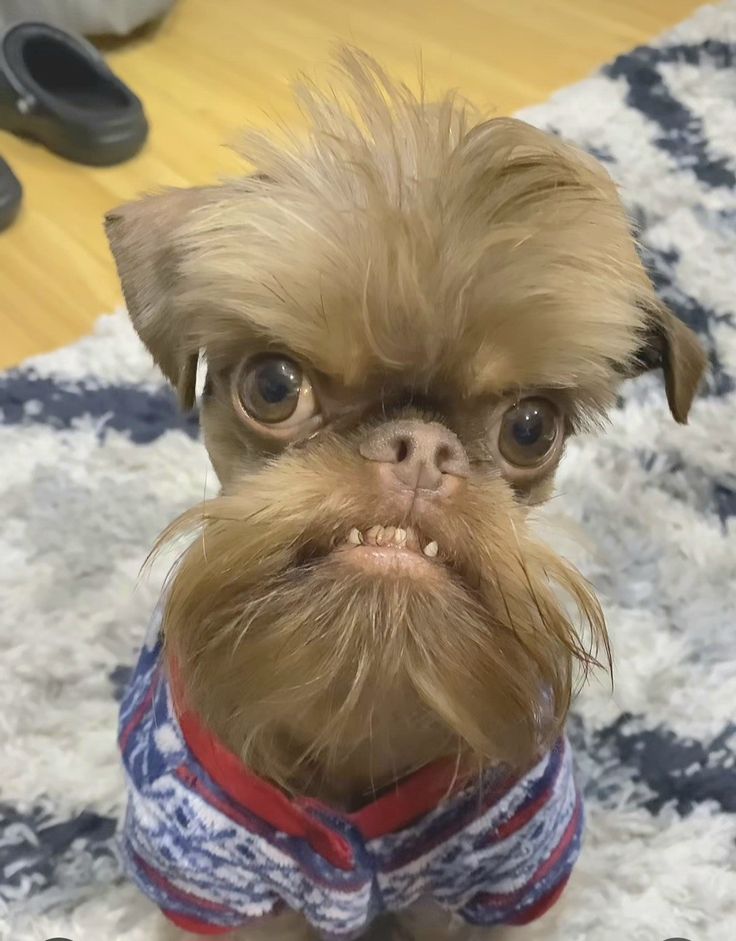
[[56, 89]]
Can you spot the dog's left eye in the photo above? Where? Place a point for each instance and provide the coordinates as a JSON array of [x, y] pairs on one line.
[[530, 432], [274, 391]]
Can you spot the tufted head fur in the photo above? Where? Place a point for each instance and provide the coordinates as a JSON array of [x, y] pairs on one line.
[[403, 312]]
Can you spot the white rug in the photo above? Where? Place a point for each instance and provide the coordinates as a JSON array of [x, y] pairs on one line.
[[95, 460]]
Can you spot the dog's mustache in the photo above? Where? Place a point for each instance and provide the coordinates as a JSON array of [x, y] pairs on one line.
[[329, 521]]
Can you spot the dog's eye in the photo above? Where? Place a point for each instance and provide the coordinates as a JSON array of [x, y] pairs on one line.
[[529, 431], [274, 391]]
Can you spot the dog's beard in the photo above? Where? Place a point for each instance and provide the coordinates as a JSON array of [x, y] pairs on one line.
[[298, 657]]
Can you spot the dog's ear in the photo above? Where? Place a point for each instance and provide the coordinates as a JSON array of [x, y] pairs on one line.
[[674, 348], [143, 239]]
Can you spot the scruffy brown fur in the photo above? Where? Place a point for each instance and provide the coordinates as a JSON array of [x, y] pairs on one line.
[[423, 266]]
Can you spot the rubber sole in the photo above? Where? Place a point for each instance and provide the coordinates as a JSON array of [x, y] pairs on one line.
[[88, 146]]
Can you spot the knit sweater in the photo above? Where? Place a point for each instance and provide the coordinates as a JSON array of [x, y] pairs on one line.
[[217, 847]]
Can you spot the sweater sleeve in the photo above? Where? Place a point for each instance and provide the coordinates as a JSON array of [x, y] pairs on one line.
[[532, 851]]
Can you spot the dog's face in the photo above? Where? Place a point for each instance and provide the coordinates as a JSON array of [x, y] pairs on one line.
[[403, 318]]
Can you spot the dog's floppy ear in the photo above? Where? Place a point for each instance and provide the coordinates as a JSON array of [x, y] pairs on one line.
[[142, 237], [673, 347]]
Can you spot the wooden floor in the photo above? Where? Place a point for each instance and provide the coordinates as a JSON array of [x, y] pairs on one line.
[[216, 65]]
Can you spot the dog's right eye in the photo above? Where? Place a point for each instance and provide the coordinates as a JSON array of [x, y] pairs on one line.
[[274, 391], [530, 432]]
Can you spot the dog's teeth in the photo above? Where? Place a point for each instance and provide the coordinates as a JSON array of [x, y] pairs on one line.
[[354, 538], [371, 537], [431, 549], [389, 535], [400, 537]]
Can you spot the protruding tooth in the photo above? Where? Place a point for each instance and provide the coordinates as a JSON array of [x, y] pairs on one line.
[[431, 549], [371, 537], [400, 538], [389, 534], [354, 538]]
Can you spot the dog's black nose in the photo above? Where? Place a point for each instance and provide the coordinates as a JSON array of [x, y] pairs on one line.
[[417, 455]]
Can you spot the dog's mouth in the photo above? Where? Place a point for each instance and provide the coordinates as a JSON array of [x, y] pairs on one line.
[[389, 549], [415, 548]]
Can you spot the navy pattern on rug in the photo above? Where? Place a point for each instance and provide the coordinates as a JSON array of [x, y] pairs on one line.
[[97, 459]]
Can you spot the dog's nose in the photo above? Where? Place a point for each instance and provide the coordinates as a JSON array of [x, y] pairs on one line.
[[417, 455]]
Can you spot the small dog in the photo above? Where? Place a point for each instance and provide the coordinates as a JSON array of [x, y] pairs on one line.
[[352, 702]]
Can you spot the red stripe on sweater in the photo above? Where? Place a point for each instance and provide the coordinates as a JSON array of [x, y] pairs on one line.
[[194, 924], [528, 811], [159, 879], [563, 845], [135, 719], [506, 899], [542, 905]]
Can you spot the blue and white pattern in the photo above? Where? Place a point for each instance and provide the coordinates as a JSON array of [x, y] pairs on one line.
[[96, 461], [495, 853]]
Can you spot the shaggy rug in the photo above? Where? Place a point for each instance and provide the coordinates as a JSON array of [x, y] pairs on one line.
[[95, 460]]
